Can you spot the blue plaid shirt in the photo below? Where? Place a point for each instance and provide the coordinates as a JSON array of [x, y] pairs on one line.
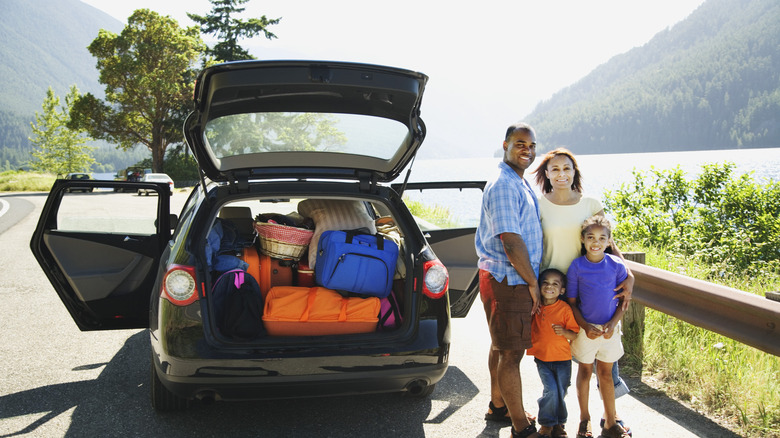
[[508, 206]]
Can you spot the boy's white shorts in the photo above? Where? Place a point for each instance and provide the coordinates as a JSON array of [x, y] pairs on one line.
[[586, 350]]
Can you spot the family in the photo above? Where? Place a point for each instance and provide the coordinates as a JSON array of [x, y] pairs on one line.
[[554, 286]]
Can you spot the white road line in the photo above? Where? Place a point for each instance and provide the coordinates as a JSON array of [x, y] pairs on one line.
[[4, 207]]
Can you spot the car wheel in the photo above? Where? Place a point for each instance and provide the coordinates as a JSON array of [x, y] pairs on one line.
[[162, 399], [139, 193]]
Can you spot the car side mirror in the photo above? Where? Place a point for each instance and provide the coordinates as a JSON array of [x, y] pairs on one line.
[[173, 220]]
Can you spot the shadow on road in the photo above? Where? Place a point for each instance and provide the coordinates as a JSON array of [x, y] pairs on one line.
[[679, 413], [117, 404]]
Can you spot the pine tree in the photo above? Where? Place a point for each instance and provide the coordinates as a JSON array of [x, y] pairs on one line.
[[221, 22], [56, 148]]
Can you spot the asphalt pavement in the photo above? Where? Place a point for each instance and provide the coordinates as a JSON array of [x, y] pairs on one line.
[[59, 382]]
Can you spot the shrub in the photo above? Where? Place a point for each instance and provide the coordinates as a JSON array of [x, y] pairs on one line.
[[729, 223]]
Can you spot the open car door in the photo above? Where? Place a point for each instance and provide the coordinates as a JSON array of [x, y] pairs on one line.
[[448, 215], [101, 249]]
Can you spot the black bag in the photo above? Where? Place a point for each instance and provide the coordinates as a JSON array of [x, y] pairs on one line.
[[238, 305]]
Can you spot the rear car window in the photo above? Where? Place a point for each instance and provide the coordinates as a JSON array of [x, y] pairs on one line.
[[242, 134], [81, 213]]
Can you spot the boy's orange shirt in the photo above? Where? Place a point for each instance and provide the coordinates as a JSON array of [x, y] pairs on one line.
[[547, 346]]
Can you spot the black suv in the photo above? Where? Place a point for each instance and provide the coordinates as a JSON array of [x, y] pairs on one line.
[[270, 137]]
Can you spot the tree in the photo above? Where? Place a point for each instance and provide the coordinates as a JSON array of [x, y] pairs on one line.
[[229, 30], [149, 71], [269, 132], [56, 148], [729, 223]]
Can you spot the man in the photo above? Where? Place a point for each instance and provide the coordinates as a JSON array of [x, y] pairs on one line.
[[509, 246]]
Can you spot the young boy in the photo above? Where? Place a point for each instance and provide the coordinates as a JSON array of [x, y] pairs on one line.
[[551, 330], [590, 292]]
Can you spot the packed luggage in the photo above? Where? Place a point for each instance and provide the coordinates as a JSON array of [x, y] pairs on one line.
[[341, 283]]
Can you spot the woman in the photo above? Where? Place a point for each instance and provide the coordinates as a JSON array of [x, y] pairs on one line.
[[563, 209]]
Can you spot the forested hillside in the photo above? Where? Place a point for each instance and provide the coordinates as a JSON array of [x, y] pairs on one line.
[[710, 82], [42, 43]]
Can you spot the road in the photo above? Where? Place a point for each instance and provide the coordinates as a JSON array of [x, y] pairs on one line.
[[59, 382]]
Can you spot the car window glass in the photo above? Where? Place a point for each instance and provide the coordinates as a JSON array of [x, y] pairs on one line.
[[444, 208], [242, 134], [187, 211], [104, 211]]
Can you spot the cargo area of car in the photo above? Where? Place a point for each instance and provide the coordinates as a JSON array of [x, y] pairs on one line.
[[277, 242]]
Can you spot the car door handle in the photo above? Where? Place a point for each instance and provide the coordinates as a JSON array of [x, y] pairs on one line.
[[128, 239]]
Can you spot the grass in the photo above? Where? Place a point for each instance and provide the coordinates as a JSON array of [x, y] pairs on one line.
[[711, 372], [435, 214], [19, 181]]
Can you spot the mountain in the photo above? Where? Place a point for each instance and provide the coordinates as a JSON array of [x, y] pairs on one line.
[[43, 43], [710, 82]]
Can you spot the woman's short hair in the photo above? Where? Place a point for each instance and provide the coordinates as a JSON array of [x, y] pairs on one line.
[[541, 177]]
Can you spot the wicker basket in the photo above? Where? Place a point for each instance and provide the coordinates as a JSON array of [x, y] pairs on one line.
[[282, 241]]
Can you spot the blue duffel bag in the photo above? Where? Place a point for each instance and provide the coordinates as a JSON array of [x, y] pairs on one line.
[[351, 261]]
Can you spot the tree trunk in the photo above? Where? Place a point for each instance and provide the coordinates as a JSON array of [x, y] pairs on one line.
[[158, 150]]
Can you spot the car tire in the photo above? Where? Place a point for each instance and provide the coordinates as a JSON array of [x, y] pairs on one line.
[[164, 400], [139, 193]]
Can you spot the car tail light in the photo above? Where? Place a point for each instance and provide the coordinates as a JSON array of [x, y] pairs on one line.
[[436, 279], [179, 285]]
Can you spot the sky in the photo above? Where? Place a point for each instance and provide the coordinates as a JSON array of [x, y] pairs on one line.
[[489, 62]]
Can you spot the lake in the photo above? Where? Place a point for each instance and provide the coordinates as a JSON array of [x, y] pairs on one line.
[[600, 171], [607, 171]]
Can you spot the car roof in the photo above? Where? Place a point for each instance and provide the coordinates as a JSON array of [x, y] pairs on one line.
[[156, 176], [370, 115]]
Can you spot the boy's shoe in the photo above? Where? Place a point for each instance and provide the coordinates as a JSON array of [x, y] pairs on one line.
[[559, 431], [545, 431], [622, 424]]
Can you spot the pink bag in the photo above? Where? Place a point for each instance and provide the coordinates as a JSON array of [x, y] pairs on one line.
[[389, 313]]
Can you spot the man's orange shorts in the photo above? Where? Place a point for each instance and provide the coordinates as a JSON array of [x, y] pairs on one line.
[[508, 310]]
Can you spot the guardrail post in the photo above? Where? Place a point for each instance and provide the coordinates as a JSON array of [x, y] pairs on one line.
[[634, 325]]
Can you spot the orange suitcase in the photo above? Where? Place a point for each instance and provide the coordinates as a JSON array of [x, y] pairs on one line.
[[251, 257], [268, 272], [317, 311]]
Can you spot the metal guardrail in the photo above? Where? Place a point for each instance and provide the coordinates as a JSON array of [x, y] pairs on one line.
[[739, 315]]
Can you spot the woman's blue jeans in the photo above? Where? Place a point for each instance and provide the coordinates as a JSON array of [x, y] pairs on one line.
[[556, 378]]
